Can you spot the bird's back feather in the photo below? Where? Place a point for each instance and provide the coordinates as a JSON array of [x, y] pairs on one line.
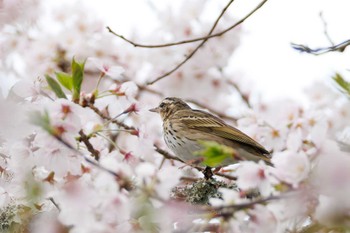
[[205, 122]]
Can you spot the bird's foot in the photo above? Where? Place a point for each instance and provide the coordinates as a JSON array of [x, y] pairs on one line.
[[208, 173]]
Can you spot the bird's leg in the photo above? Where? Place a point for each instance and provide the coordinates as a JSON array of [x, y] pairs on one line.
[[208, 173]]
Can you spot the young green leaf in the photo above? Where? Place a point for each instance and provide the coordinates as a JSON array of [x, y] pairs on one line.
[[55, 86], [77, 75], [65, 79], [214, 154], [343, 84], [41, 120]]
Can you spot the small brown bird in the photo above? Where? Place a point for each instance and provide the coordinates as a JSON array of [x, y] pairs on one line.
[[185, 128]]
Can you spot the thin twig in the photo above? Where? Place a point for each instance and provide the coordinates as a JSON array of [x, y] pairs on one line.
[[318, 51], [83, 138], [203, 39], [185, 41], [122, 181], [166, 154], [201, 169], [174, 43], [94, 163], [55, 204], [189, 179], [325, 29], [244, 97], [225, 175], [236, 207], [115, 121], [188, 57], [146, 88]]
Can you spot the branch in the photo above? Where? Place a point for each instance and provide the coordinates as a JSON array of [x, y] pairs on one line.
[[115, 121], [190, 40], [167, 155], [123, 182], [225, 175], [175, 43], [244, 97], [205, 39], [55, 204], [236, 207], [325, 29], [83, 138], [146, 88], [318, 51], [188, 57]]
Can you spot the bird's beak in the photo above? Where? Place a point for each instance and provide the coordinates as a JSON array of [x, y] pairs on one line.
[[154, 109]]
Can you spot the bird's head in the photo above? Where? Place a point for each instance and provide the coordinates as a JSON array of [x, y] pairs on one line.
[[169, 106]]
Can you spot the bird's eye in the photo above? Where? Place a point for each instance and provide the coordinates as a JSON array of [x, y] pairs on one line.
[[161, 105]]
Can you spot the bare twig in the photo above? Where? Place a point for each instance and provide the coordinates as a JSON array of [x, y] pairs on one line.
[[190, 40], [244, 97], [236, 207], [225, 175], [146, 88], [115, 121], [94, 163], [325, 29], [188, 57], [188, 179], [201, 169], [83, 138], [55, 204], [180, 42], [166, 154], [202, 39], [318, 51], [123, 182]]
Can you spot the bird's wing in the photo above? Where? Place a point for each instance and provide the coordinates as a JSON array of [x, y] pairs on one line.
[[208, 123]]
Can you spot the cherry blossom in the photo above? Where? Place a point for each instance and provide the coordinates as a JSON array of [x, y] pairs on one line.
[[291, 167], [253, 176], [110, 70], [93, 158]]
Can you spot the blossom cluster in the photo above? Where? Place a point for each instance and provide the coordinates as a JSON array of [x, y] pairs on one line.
[[80, 152]]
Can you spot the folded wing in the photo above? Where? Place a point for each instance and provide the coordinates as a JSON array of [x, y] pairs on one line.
[[216, 126]]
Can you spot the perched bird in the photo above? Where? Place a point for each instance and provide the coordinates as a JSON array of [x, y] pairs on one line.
[[185, 129]]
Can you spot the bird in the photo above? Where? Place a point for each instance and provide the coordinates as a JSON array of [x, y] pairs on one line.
[[185, 129]]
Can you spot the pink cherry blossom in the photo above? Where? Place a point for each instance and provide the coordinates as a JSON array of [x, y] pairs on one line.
[[113, 71], [291, 167], [253, 176], [50, 172]]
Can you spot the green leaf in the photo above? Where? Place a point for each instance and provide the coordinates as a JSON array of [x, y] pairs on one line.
[[77, 75], [214, 154], [55, 86], [42, 120], [34, 189], [65, 79], [342, 83]]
